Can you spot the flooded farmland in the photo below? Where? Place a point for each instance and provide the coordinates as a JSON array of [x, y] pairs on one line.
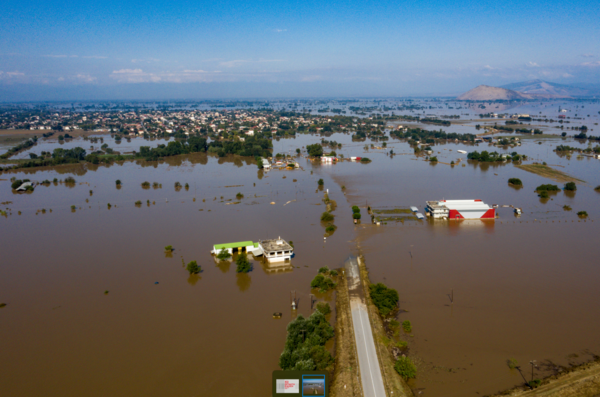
[[524, 287]]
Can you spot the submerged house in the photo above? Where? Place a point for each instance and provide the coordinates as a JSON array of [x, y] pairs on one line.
[[276, 250]]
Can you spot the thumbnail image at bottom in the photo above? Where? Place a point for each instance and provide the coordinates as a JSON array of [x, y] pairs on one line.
[[313, 385]]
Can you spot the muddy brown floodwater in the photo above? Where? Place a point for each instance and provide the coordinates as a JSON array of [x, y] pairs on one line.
[[524, 288], [210, 334]]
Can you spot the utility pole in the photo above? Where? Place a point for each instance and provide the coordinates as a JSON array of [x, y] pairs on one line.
[[532, 362]]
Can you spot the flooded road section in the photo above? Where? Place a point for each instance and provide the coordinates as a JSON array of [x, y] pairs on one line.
[[158, 331]]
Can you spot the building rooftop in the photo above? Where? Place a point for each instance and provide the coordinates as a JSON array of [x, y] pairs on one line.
[[275, 245]]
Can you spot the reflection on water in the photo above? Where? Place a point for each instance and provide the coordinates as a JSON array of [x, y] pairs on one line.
[[243, 281], [193, 279]]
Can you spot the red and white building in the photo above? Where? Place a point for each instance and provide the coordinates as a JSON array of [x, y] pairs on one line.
[[460, 209]]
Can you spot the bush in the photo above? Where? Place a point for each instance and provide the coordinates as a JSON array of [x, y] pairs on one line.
[[322, 283], [515, 181], [223, 254], [512, 363], [118, 182], [582, 214], [355, 209], [544, 194], [320, 182], [597, 188], [193, 267], [356, 215], [138, 203], [73, 208], [239, 196], [327, 217], [324, 270], [169, 248], [324, 308], [146, 185], [433, 159], [16, 184], [405, 368], [548, 188], [406, 326], [365, 160], [384, 298], [243, 264], [570, 186], [330, 229], [70, 180]]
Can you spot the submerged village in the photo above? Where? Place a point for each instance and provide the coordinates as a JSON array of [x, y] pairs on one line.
[[446, 243]]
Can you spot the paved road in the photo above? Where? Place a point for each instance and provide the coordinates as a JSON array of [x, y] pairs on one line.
[[370, 373]]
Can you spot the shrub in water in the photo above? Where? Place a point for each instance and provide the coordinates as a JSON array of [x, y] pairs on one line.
[[324, 307], [515, 181], [169, 248], [193, 268], [223, 254], [326, 217], [582, 214], [548, 188], [570, 186], [406, 326], [243, 264], [405, 368], [356, 215], [320, 182]]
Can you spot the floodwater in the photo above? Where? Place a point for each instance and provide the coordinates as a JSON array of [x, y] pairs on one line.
[[187, 335], [524, 288]]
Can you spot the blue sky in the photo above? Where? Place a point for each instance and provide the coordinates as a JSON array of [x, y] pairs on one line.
[[155, 49]]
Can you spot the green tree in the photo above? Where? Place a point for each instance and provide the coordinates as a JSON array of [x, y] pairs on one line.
[[570, 186], [223, 254], [320, 182], [243, 264], [193, 268], [384, 298], [315, 150]]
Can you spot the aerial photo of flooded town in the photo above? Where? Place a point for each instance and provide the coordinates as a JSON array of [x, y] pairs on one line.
[[269, 214]]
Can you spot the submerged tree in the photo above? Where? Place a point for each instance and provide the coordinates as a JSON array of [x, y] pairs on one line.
[[193, 267], [243, 264]]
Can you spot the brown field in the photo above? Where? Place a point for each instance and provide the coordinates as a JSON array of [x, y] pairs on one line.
[[548, 172]]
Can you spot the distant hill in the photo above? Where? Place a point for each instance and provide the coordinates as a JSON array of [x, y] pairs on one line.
[[544, 89], [487, 93]]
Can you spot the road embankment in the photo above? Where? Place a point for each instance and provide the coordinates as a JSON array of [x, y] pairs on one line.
[[392, 381], [346, 377]]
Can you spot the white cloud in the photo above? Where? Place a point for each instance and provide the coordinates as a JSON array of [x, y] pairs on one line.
[[532, 64], [55, 56], [567, 75], [591, 64], [279, 30], [94, 57], [85, 78], [147, 60], [587, 55], [238, 62]]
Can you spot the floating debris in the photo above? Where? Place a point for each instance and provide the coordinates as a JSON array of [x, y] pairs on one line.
[[272, 202], [277, 315], [156, 282], [106, 292], [2, 304]]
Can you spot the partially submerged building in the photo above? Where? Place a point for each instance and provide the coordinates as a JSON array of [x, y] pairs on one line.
[[276, 250], [459, 209]]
